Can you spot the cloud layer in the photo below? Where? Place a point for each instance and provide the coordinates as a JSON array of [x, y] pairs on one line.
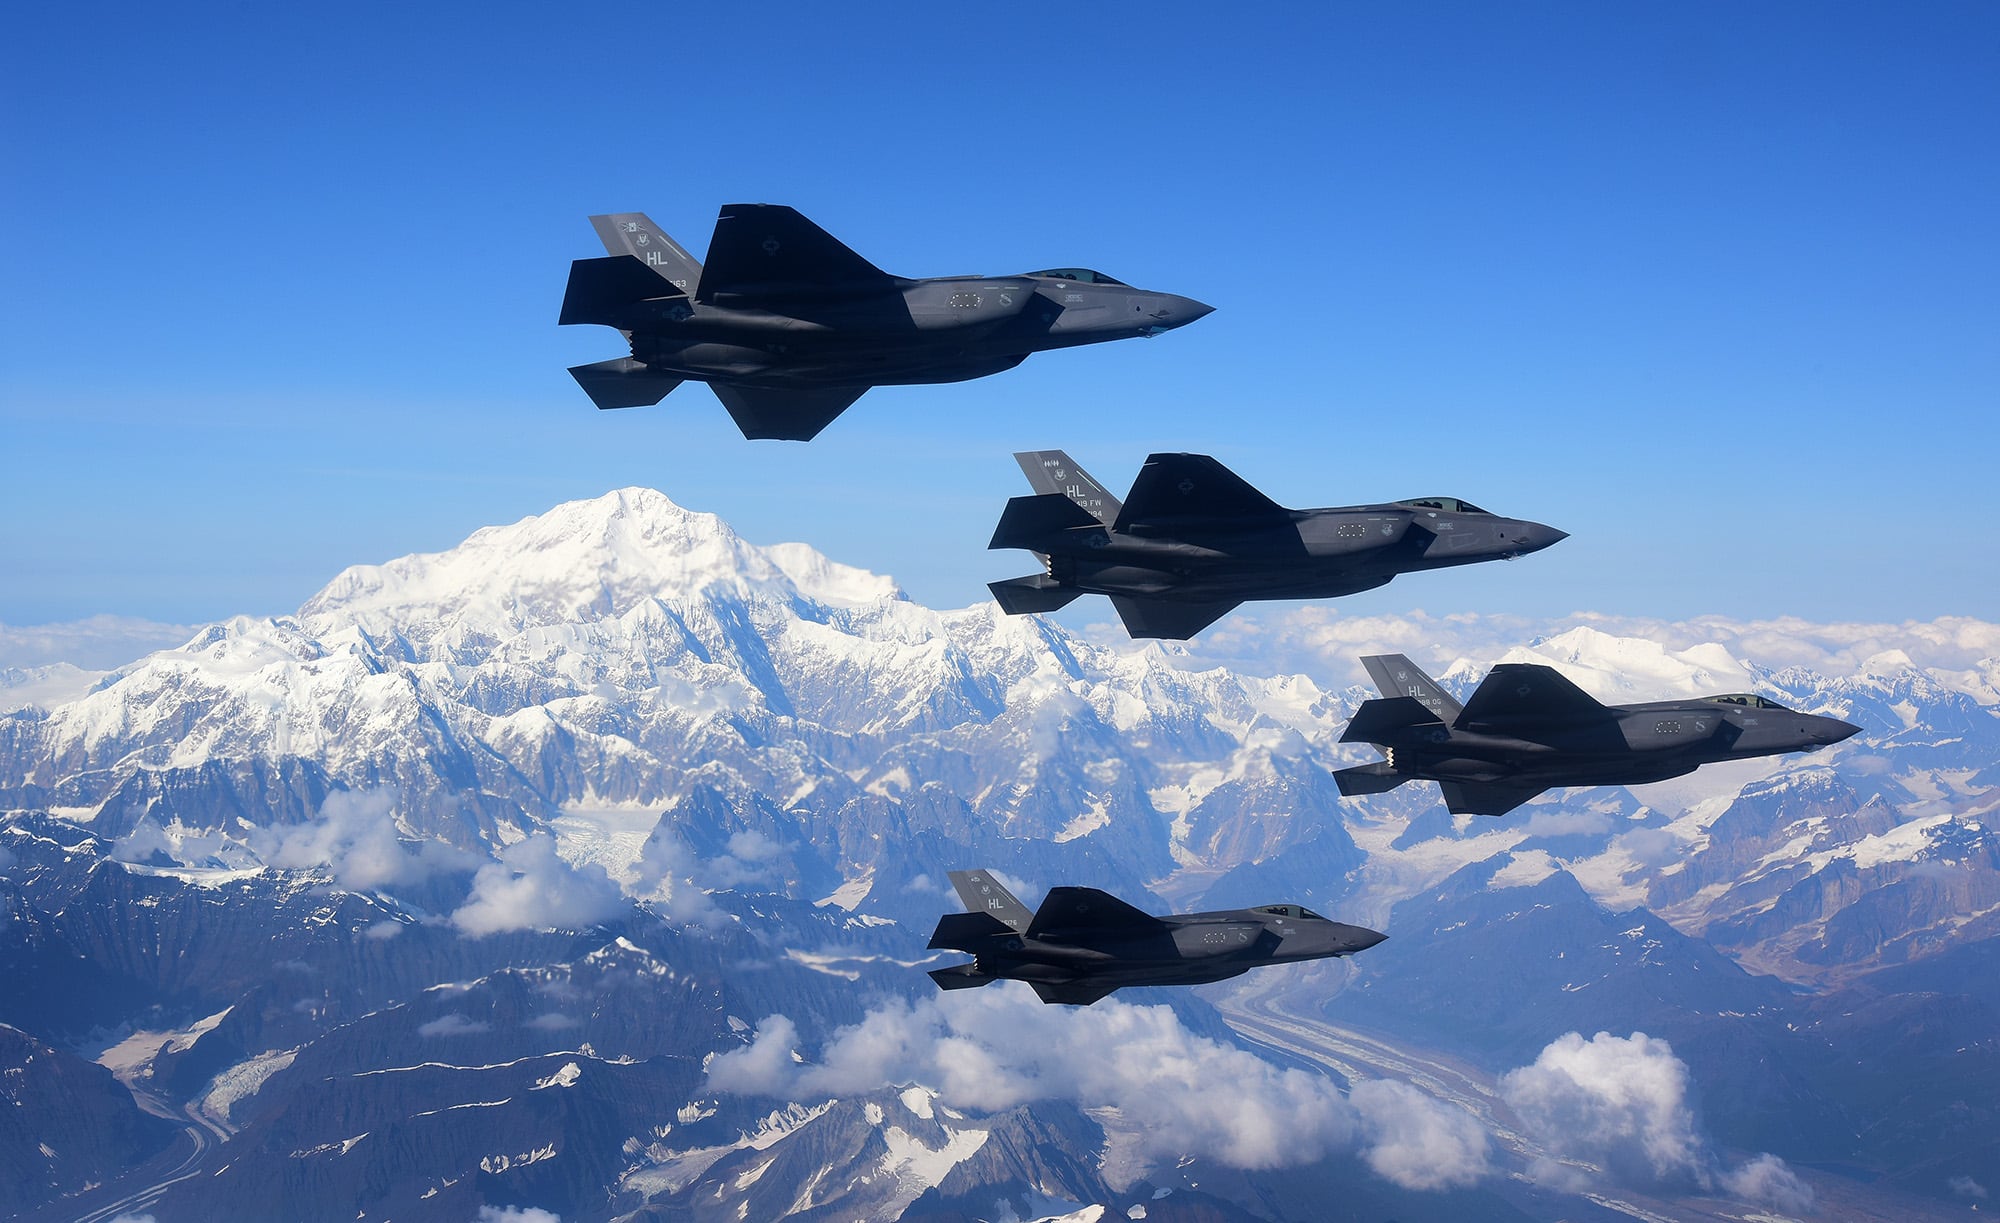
[[1182, 1093]]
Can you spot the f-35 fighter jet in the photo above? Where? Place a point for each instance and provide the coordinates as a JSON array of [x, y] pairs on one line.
[[789, 327], [1526, 729], [1193, 540], [1083, 943]]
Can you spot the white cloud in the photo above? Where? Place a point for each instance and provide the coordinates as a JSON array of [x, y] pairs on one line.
[[453, 1024], [95, 644], [1620, 1104], [132, 1218], [1767, 1181], [1182, 1093], [516, 1214], [1966, 1187], [1616, 1101], [383, 930], [357, 837], [532, 888], [1417, 1142]]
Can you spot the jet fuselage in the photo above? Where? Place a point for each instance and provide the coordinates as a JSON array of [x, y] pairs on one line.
[[948, 329], [1638, 743], [1316, 553], [1526, 729], [1083, 943]]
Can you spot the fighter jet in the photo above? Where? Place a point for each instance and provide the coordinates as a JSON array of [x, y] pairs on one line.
[[1193, 540], [789, 327], [1083, 943], [1526, 729]]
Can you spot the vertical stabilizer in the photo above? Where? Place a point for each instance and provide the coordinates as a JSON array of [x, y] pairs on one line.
[[1395, 675], [633, 233], [1052, 471], [982, 893]]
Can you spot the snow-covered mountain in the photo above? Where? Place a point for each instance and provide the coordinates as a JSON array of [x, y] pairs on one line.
[[475, 771]]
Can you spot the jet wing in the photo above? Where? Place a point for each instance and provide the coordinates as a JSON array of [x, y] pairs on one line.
[[1074, 993], [1070, 910], [1191, 485], [763, 250], [1169, 618], [1485, 797], [793, 416], [1527, 692]]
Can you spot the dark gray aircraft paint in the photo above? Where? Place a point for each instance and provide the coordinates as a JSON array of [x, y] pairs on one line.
[[1192, 540], [789, 327], [1083, 943], [1526, 729]]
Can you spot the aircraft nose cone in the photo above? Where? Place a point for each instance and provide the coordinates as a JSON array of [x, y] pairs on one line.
[[1360, 938], [1836, 730], [1175, 312], [1534, 536]]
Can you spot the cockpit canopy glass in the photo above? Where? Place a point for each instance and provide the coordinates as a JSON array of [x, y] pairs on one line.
[[1450, 505], [1749, 700], [1083, 275], [1299, 911]]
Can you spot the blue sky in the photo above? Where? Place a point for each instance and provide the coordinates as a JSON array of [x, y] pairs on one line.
[[1714, 287]]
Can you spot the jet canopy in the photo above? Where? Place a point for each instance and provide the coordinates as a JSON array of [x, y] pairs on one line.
[[1083, 275], [1449, 504], [1289, 911], [1748, 700]]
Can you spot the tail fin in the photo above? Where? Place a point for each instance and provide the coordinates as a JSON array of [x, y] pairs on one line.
[[1038, 592], [617, 291], [763, 248], [1377, 778], [1029, 521], [1395, 675], [1052, 471], [982, 893], [634, 234], [1192, 485]]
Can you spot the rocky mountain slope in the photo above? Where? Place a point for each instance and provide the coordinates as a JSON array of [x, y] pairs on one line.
[[448, 890]]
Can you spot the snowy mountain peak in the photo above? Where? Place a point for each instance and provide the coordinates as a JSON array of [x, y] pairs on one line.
[[588, 560], [1624, 669]]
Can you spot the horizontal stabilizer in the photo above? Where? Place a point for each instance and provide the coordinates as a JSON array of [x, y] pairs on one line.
[[1168, 618], [1485, 797], [608, 291], [1529, 692], [1028, 521], [1071, 993], [1174, 486], [763, 250], [1071, 910], [967, 931], [784, 415], [1038, 592], [1052, 471], [982, 893], [961, 976], [1375, 719], [1377, 778], [623, 383], [1396, 675]]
